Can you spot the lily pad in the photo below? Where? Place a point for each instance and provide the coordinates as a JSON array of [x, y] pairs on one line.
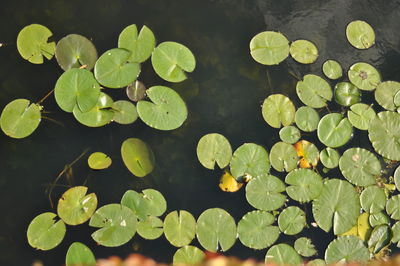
[[360, 34], [381, 237], [150, 228], [289, 134], [364, 76], [332, 69], [19, 118], [214, 149], [167, 111], [269, 47], [137, 157], [179, 228], [251, 159], [32, 43], [148, 203], [305, 247], [100, 115], [124, 112], [228, 183], [79, 254], [136, 91], [360, 115], [379, 218], [334, 130], [307, 119], [305, 185], [292, 220], [346, 249], [282, 254], [283, 157], [172, 60], [329, 157], [278, 110], [393, 207], [304, 51], [385, 94], [314, 91], [99, 161], [45, 232], [140, 45], [373, 199], [75, 51], [216, 229], [188, 255], [396, 233], [308, 154], [316, 262], [117, 225], [396, 176], [347, 94]]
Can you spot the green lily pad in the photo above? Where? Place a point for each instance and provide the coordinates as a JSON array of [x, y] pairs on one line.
[[76, 87], [307, 118], [99, 161], [140, 45], [216, 229], [292, 220], [393, 207], [75, 51], [264, 192], [364, 76], [338, 202], [289, 134], [124, 112], [117, 225], [188, 255], [171, 61], [329, 157], [305, 185], [303, 51], [396, 233], [269, 48], [79, 254], [32, 43], [360, 166], [385, 94], [45, 232], [384, 134], [150, 228], [360, 115], [360, 34], [278, 110], [148, 203], [136, 91], [379, 218], [334, 130], [113, 69], [316, 262], [214, 149], [167, 111], [347, 94], [75, 207], [282, 254], [373, 199], [305, 247], [137, 156], [256, 231], [250, 159], [283, 157], [346, 249], [381, 237], [100, 115], [314, 91], [396, 176], [179, 228], [19, 118], [332, 69]]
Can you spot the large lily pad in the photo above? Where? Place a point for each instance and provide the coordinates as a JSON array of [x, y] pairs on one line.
[[314, 91], [179, 228], [140, 45], [347, 94], [150, 228], [214, 149], [305, 247], [137, 157], [291, 220], [385, 94], [282, 254], [99, 161], [283, 157], [188, 255], [124, 112], [393, 207], [289, 134], [269, 48], [250, 159], [360, 115], [346, 249], [79, 254], [307, 118], [360, 34], [332, 69], [100, 115], [334, 130], [305, 185], [364, 76], [329, 157], [278, 110], [148, 203], [373, 199], [303, 51]]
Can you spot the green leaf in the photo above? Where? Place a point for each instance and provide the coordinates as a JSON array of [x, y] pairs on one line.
[[19, 118], [373, 199], [269, 48], [148, 203], [124, 112], [167, 111], [393, 207], [74, 51], [316, 262], [292, 220], [150, 228], [360, 115], [282, 254], [171, 60], [396, 233], [75, 207], [100, 115], [334, 130], [332, 69], [79, 254], [216, 229], [289, 134], [314, 91], [305, 185], [250, 159], [305, 247], [117, 225], [283, 157], [329, 157], [99, 161], [346, 249], [304, 51], [380, 237], [32, 43], [137, 157], [346, 94], [188, 255], [179, 228], [364, 76], [396, 176], [256, 231], [379, 218], [44, 232], [214, 148], [360, 34], [307, 118], [385, 94], [278, 110]]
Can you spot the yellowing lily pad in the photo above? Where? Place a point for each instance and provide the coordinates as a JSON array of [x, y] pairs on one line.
[[360, 34], [99, 161], [304, 51]]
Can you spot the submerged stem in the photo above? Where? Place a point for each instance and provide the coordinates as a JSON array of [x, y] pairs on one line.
[[45, 97]]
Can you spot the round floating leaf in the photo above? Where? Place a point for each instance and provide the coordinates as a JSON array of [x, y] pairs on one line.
[[156, 204], [100, 115], [216, 229], [360, 115], [188, 255], [379, 218], [149, 202], [74, 51], [76, 87], [269, 48], [99, 160], [137, 157], [380, 237], [140, 45], [347, 94], [114, 70], [305, 247], [167, 111], [307, 119], [332, 69], [305, 185], [334, 130], [171, 60], [360, 34], [308, 154], [150, 228], [364, 76], [283, 157], [278, 110], [291, 220], [136, 91], [256, 231], [396, 176], [314, 91], [346, 249], [303, 51], [393, 207], [124, 112], [289, 134], [228, 183], [396, 233], [250, 159], [79, 254], [282, 254], [20, 118], [44, 232], [117, 225], [373, 199], [383, 132], [338, 202], [179, 228], [316, 262], [264, 192], [214, 148], [32, 43], [385, 94], [329, 157]]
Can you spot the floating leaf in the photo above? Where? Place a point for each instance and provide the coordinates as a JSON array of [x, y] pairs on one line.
[[140, 45], [188, 255], [360, 34], [346, 94], [304, 51], [305, 247], [291, 220], [379, 218], [19, 118], [278, 110], [282, 254], [214, 148], [32, 43], [393, 207], [269, 48], [179, 228], [362, 229], [216, 229], [150, 228], [380, 237], [171, 60], [396, 233], [305, 185], [314, 91], [124, 112], [364, 76], [329, 157], [308, 154], [385, 94], [228, 183], [360, 115], [44, 232], [373, 199], [332, 69], [289, 134], [167, 111], [283, 157], [100, 115], [136, 91], [307, 119], [137, 157], [334, 130], [346, 249], [316, 262], [396, 176], [148, 203], [99, 161], [79, 254], [250, 159]]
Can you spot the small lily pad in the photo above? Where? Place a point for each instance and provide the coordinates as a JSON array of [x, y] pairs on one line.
[[150, 228], [396, 233], [137, 157], [289, 134], [228, 183], [99, 161], [385, 94], [282, 254], [329, 157], [148, 203], [124, 112], [347, 94], [79, 254], [250, 159], [308, 154], [364, 76], [136, 91], [334, 130], [360, 34], [278, 110], [188, 255], [381, 237], [346, 249], [314, 91], [283, 157], [140, 45], [373, 199], [307, 119], [179, 228], [360, 115], [269, 47], [304, 51], [316, 262], [214, 149], [100, 115], [376, 219], [393, 207], [396, 176], [332, 69], [305, 247], [305, 185], [292, 220]]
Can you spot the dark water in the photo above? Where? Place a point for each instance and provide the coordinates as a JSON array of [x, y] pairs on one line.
[[223, 95]]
